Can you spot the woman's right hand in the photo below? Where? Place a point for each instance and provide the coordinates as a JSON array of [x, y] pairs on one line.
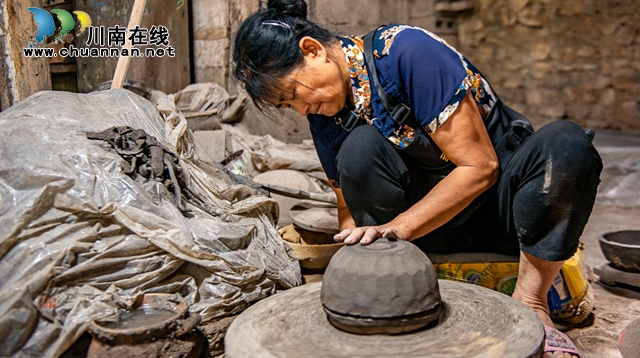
[[368, 234]]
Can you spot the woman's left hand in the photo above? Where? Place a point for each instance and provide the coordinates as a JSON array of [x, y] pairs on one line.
[[367, 234]]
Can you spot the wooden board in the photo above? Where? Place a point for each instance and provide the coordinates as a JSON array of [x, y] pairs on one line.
[[122, 66], [168, 74]]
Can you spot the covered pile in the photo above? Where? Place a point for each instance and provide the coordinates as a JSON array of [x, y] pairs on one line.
[[80, 238]]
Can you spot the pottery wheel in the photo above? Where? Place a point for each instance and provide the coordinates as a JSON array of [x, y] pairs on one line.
[[474, 322]]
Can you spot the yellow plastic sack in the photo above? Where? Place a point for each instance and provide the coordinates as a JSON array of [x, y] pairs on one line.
[[568, 292]]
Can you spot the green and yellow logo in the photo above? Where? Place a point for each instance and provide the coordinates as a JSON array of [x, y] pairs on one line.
[[47, 27]]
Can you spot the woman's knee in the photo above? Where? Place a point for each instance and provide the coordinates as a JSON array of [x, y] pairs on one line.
[[572, 148], [362, 151], [371, 177]]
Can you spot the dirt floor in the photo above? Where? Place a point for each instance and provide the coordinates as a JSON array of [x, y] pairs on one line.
[[615, 307]]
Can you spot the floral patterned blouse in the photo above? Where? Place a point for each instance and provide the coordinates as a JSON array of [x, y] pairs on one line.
[[417, 68]]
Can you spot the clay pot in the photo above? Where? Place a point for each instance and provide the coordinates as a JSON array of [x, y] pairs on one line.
[[315, 257], [158, 324], [622, 249], [389, 286]]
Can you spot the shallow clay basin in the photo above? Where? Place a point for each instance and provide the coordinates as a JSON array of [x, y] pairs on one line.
[[622, 249], [153, 314]]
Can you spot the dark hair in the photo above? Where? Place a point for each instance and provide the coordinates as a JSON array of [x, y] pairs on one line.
[[266, 47]]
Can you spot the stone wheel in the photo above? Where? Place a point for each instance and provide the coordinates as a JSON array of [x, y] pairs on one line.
[[474, 322]]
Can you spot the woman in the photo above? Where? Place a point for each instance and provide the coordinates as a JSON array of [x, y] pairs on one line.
[[461, 173]]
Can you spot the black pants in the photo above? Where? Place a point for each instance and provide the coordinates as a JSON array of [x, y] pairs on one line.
[[540, 203]]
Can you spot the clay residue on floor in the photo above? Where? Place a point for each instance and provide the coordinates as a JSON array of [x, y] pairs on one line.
[[215, 331], [615, 307]]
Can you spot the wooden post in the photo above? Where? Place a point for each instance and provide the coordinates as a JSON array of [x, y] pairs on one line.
[[123, 61]]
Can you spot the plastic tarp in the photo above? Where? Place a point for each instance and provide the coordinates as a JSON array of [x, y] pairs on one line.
[[79, 239], [200, 97], [265, 153]]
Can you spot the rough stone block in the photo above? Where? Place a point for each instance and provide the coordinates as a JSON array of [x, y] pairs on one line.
[[632, 112], [608, 97], [210, 14], [541, 51], [626, 35], [575, 7], [540, 70], [598, 82], [517, 5], [596, 112], [419, 8], [553, 111], [534, 97], [607, 28], [335, 12], [578, 111]]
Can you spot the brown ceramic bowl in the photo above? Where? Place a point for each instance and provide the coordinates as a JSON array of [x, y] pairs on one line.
[[315, 257]]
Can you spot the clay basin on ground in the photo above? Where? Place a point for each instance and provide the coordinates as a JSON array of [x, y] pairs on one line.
[[152, 315], [622, 249]]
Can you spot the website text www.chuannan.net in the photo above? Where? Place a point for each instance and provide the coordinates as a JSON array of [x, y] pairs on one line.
[[110, 42], [73, 51]]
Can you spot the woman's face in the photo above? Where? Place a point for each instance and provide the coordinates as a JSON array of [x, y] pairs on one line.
[[320, 85]]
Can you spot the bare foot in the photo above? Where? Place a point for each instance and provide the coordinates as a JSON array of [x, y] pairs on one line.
[[535, 276], [546, 320]]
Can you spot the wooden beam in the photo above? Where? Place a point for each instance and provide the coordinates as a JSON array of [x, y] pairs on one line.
[[123, 61]]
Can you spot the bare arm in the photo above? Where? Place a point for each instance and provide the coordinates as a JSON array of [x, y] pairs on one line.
[[464, 139], [344, 216]]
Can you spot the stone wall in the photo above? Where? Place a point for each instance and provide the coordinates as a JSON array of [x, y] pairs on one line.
[[549, 59], [362, 16], [571, 59]]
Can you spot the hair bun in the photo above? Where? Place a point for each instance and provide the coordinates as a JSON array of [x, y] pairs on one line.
[[293, 8]]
